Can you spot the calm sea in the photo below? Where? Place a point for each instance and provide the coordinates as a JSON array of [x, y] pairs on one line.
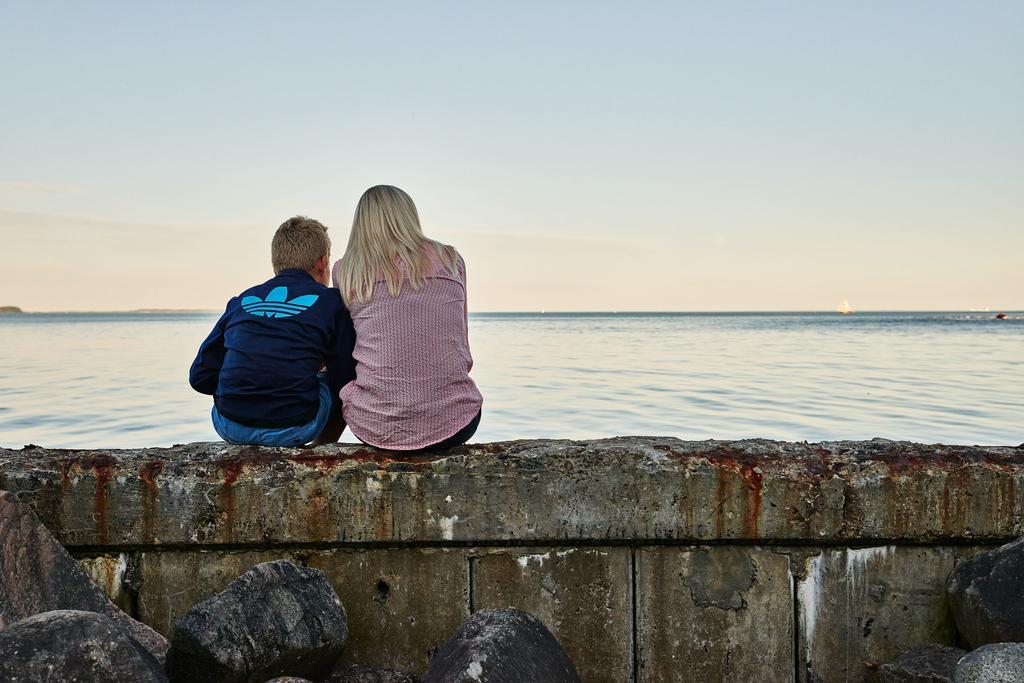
[[120, 379]]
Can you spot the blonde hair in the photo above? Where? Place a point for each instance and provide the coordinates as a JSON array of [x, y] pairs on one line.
[[299, 243], [385, 232]]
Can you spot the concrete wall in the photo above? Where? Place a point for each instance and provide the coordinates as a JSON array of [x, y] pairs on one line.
[[651, 559]]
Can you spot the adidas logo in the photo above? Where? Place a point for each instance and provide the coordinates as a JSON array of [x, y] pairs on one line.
[[276, 305]]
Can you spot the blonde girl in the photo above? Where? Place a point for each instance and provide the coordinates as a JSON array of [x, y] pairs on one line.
[[407, 297]]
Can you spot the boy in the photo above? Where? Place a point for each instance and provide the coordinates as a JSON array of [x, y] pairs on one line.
[[262, 360]]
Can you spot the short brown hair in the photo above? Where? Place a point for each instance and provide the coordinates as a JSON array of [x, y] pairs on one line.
[[299, 243]]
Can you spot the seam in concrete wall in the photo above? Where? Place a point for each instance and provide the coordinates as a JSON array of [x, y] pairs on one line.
[[633, 627], [470, 574], [109, 549], [794, 616], [135, 569]]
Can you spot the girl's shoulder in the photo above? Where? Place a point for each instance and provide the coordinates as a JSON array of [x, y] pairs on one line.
[[445, 260]]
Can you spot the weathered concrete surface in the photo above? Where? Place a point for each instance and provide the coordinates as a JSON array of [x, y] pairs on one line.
[[112, 573], [714, 613], [861, 607], [402, 603], [162, 529], [625, 489], [581, 594]]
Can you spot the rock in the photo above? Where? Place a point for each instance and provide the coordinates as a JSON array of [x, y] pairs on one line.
[[37, 575], [360, 674], [277, 619], [926, 664], [289, 679], [503, 645], [996, 663], [985, 596], [73, 645]]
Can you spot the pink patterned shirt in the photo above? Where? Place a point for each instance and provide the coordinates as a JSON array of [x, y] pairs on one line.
[[412, 387]]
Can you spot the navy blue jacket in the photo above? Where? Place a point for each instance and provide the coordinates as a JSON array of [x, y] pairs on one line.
[[261, 360]]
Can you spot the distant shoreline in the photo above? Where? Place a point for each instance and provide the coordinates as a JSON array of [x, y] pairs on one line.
[[862, 312], [111, 312], [165, 310]]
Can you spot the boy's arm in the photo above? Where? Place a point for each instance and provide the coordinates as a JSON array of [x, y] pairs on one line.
[[205, 371], [341, 366]]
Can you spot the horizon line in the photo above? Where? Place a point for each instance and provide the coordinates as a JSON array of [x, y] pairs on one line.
[[573, 311]]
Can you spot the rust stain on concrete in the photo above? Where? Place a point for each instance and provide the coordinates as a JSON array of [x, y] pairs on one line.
[[111, 583], [383, 516], [64, 467], [318, 515], [730, 462], [326, 462], [721, 498], [231, 469], [752, 477], [748, 467], [103, 468], [148, 473]]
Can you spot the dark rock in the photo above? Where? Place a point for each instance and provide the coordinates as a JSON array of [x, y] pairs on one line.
[[996, 663], [926, 664], [73, 645], [360, 674], [985, 596], [277, 619], [506, 645], [37, 575]]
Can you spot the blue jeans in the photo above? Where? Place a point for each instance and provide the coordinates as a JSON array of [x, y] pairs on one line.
[[233, 432]]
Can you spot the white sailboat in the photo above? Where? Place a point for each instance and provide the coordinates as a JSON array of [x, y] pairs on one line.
[[845, 308]]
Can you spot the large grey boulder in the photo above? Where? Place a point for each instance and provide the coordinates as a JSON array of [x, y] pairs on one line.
[[277, 619], [73, 645], [361, 674], [37, 575], [996, 663], [501, 646], [926, 664], [986, 595]]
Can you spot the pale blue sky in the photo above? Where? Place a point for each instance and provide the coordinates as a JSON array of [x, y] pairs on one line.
[[582, 156]]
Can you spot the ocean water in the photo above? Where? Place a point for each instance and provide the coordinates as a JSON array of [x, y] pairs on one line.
[[120, 379]]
